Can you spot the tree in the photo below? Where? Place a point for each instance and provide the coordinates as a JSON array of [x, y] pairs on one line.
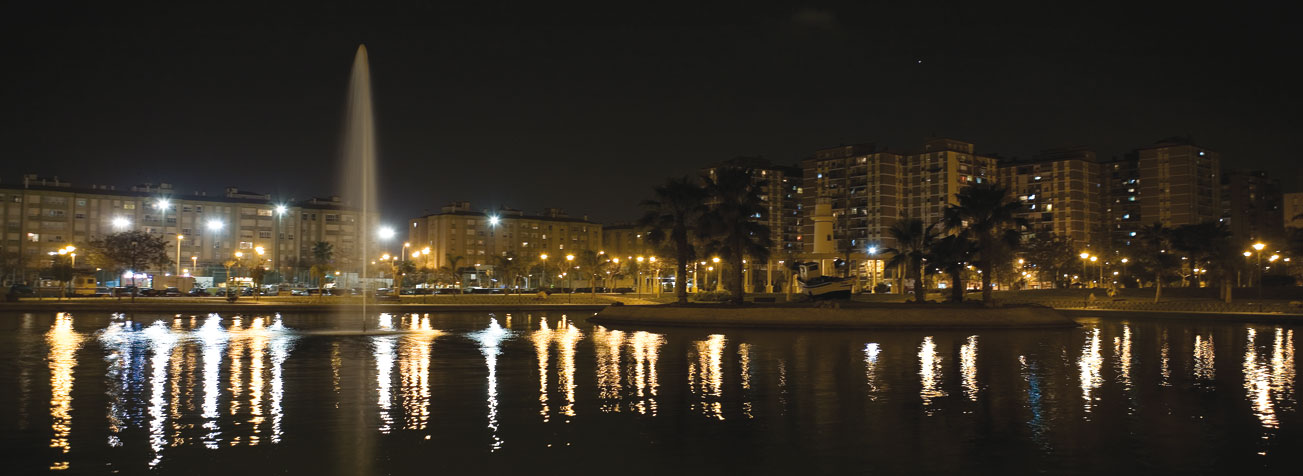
[[1051, 254], [671, 218], [913, 243], [453, 268], [1208, 245], [734, 200], [131, 250], [950, 255], [986, 214], [323, 254], [257, 274], [590, 263], [1155, 242]]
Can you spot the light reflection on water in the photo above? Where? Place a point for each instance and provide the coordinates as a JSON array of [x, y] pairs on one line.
[[212, 382]]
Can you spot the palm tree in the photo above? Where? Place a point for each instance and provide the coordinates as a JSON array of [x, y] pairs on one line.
[[986, 214], [1156, 241], [735, 200], [671, 217], [913, 244], [453, 268], [951, 255], [1208, 245]]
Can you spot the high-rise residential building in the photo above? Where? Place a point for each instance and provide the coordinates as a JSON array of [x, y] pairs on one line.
[[1180, 183], [1292, 206], [1062, 192], [781, 197], [45, 214], [1122, 213], [870, 188], [479, 236], [624, 240], [1252, 205]]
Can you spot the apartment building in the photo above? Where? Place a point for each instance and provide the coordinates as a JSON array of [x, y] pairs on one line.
[[45, 214], [780, 193], [1179, 183], [1062, 193], [478, 236]]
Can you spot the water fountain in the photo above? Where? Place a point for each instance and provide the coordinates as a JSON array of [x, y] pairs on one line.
[[359, 161]]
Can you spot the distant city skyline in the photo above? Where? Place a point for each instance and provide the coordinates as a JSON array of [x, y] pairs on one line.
[[591, 109]]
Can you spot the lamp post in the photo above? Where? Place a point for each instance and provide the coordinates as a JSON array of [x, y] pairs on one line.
[[194, 264], [657, 279], [1258, 248], [1100, 268], [178, 254], [873, 270], [719, 278], [570, 278], [1124, 268], [637, 288], [1084, 257], [542, 282]]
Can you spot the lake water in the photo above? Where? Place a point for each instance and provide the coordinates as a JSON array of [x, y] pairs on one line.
[[460, 393]]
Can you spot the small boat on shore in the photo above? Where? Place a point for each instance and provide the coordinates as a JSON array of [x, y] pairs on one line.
[[817, 286]]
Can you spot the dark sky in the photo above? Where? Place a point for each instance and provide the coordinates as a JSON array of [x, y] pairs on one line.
[[587, 109]]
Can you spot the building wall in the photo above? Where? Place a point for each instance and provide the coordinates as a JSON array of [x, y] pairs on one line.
[[1180, 184], [42, 216], [1062, 192], [871, 189], [1292, 206], [1252, 206], [472, 235]]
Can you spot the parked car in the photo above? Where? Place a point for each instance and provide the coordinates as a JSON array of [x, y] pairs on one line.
[[126, 291], [171, 292], [623, 290], [22, 290], [103, 291], [198, 292], [449, 291]]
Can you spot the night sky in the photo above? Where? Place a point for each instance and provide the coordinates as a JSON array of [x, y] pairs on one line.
[[586, 110]]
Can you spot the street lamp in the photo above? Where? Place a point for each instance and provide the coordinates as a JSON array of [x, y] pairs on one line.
[[1084, 258], [638, 286], [1258, 248], [121, 223], [194, 263], [873, 269], [542, 283], [1100, 267], [570, 278], [719, 278], [178, 253]]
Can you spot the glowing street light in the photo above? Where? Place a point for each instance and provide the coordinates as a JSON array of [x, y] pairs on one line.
[[281, 209], [215, 225], [493, 220], [1259, 246], [121, 223], [385, 233]]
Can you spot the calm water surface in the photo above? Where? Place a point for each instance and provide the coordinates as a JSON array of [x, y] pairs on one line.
[[550, 393]]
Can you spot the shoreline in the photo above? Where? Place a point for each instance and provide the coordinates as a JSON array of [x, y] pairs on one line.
[[859, 317], [203, 307]]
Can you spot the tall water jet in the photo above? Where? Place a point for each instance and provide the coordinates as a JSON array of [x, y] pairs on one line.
[[359, 164]]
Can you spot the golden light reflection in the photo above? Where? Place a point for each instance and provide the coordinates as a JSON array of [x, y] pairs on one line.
[[929, 372], [968, 367], [63, 343], [257, 363], [542, 339], [1165, 363], [606, 348], [1204, 358], [1090, 365], [1257, 383], [1282, 365], [646, 350], [1122, 349], [706, 375], [566, 342], [414, 371], [744, 371], [871, 352]]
